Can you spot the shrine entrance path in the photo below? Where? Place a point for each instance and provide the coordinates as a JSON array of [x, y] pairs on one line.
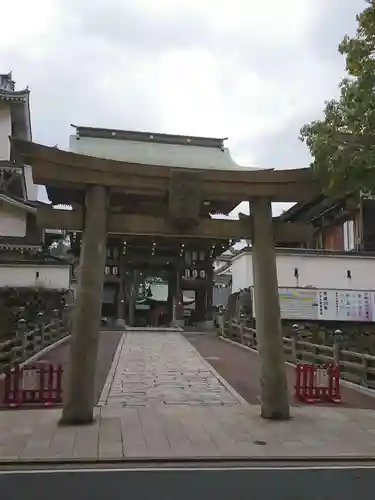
[[163, 369], [240, 368], [162, 400]]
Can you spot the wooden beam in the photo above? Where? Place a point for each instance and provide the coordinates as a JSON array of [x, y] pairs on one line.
[[144, 225], [53, 167], [276, 192], [52, 174], [33, 153]]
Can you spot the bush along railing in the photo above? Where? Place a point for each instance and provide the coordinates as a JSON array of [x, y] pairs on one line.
[[354, 366], [27, 342]]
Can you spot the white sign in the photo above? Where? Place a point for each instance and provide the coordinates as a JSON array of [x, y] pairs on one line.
[[321, 377], [326, 305], [30, 379]]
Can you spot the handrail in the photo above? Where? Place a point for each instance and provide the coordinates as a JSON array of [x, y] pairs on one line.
[[356, 367], [26, 343]]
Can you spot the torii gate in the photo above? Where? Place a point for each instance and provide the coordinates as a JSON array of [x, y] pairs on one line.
[[89, 182]]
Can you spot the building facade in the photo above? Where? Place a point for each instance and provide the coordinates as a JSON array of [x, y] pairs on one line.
[[316, 285], [300, 268], [131, 263], [162, 191], [23, 262], [345, 224]]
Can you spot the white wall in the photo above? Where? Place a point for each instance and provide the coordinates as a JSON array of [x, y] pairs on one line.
[[5, 131], [12, 220], [18, 275], [318, 271], [31, 188]]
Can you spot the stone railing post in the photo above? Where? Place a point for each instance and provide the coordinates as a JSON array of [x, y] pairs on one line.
[[242, 327], [364, 367], [66, 318], [22, 335], [337, 343], [56, 324], [40, 323], [33, 340], [220, 322], [294, 338]]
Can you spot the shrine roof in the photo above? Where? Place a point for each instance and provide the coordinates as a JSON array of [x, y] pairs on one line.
[[8, 92], [14, 96], [169, 150], [18, 202]]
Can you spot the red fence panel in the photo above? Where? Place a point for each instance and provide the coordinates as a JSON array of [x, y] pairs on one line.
[[317, 383], [34, 385]]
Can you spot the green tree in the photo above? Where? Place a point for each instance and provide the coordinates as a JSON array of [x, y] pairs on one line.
[[343, 143]]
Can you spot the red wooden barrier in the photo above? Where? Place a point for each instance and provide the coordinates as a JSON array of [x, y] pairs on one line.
[[35, 385], [317, 383]]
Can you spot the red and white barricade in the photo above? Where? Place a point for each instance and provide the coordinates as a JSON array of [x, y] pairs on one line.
[[317, 383], [34, 385]]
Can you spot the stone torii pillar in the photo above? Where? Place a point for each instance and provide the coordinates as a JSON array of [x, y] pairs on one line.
[[274, 389], [79, 392]]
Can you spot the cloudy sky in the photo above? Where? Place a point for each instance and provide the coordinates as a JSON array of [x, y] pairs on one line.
[[251, 70]]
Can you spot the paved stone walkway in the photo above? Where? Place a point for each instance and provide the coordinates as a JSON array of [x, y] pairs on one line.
[[155, 368], [180, 432], [162, 400]]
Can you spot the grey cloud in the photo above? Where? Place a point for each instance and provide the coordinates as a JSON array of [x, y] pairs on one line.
[[66, 89], [337, 18], [283, 149], [68, 77], [128, 25], [125, 24]]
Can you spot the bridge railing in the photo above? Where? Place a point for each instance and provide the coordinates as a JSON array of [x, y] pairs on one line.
[[354, 366], [28, 342]]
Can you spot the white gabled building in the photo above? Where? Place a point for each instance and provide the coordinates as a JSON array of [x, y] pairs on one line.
[[22, 263], [300, 268], [315, 284]]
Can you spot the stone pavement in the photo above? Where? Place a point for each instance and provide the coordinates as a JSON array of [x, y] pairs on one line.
[[153, 368], [180, 432], [157, 404]]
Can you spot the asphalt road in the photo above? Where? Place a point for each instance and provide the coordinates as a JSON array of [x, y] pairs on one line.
[[186, 483]]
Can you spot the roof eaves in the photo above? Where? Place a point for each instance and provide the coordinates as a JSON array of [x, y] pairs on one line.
[[18, 202]]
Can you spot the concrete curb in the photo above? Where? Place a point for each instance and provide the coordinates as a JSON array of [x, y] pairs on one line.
[[276, 461], [156, 329], [108, 382], [345, 383], [41, 353], [222, 380]]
